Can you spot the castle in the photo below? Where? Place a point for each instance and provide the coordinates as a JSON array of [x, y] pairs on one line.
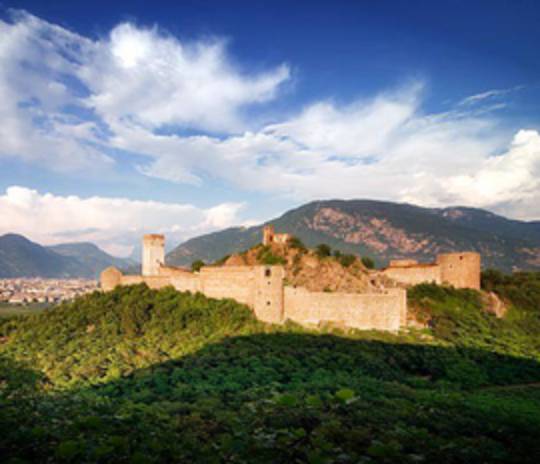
[[270, 236], [263, 288], [461, 270]]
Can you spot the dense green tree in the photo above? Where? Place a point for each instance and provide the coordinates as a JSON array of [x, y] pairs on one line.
[[323, 250], [368, 262]]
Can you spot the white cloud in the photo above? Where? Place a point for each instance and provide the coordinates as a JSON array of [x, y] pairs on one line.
[[34, 56], [113, 223], [153, 80], [512, 177], [488, 94], [62, 94], [141, 91]]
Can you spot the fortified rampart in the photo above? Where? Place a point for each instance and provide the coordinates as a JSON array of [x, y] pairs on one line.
[[461, 270], [378, 311], [263, 288]]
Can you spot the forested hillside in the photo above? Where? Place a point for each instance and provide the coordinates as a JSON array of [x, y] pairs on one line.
[[143, 376]]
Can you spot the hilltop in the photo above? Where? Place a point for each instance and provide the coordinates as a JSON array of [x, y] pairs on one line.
[[319, 269], [147, 376], [384, 231]]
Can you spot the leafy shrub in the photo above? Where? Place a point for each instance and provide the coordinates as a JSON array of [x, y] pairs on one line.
[[347, 260], [323, 250], [295, 242], [197, 265], [522, 289], [368, 262], [267, 257]]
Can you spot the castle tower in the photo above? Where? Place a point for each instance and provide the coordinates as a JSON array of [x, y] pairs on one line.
[[269, 303], [268, 234], [462, 270], [153, 254], [110, 278]]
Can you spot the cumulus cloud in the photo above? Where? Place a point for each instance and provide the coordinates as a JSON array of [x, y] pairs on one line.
[[153, 80], [113, 223], [63, 94], [512, 177], [180, 107]]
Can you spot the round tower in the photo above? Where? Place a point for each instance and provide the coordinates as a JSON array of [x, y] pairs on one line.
[[110, 278], [153, 254], [462, 270]]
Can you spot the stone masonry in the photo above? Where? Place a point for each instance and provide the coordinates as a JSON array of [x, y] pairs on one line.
[[263, 289]]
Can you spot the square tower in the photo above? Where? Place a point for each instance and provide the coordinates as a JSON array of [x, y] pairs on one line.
[[268, 235], [153, 254]]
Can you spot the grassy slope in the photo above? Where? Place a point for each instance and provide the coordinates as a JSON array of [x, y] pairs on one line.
[[157, 376]]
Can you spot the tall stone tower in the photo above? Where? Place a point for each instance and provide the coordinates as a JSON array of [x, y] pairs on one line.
[[153, 254], [462, 270], [268, 234]]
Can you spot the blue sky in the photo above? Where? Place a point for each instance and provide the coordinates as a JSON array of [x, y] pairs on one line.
[[187, 117]]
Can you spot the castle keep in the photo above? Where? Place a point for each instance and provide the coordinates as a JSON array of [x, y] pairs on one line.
[[263, 288]]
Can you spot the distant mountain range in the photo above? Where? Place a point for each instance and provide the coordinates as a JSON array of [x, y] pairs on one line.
[[385, 231], [20, 257], [381, 230]]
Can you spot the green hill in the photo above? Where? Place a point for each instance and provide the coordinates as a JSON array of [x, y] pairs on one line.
[[385, 231], [142, 376]]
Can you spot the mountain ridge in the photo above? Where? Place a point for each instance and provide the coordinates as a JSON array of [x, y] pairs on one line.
[[384, 231], [21, 257]]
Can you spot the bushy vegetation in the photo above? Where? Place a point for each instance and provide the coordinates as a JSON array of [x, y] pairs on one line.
[[197, 265], [266, 256], [323, 250], [368, 262], [520, 288], [295, 242], [142, 376]]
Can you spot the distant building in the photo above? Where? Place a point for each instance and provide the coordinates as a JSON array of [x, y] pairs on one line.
[[270, 236], [461, 270]]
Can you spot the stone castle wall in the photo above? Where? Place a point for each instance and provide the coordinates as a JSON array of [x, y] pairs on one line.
[[262, 287], [414, 274], [461, 270], [385, 311]]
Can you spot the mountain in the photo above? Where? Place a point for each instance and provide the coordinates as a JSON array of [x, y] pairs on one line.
[[385, 231], [20, 257], [92, 257]]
